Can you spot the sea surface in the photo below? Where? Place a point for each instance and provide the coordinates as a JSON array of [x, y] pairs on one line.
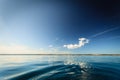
[[61, 67]]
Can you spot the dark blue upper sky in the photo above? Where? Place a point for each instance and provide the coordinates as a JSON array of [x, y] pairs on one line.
[[54, 23]]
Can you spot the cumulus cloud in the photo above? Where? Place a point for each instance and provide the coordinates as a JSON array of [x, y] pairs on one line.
[[82, 42]]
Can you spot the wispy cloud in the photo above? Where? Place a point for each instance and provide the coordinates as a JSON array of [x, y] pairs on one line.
[[50, 46], [15, 49], [82, 42], [103, 32], [24, 49]]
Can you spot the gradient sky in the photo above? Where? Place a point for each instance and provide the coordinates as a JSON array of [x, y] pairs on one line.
[[47, 25]]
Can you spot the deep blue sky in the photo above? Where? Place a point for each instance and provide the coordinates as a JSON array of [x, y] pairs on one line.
[[54, 23]]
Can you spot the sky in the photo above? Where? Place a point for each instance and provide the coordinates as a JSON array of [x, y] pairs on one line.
[[59, 26]]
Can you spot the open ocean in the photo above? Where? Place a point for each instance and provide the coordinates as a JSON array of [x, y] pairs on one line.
[[53, 67]]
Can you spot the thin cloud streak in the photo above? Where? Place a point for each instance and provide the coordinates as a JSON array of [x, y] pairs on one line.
[[106, 31]]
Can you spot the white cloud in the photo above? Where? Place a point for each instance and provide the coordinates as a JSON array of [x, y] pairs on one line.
[[82, 42]]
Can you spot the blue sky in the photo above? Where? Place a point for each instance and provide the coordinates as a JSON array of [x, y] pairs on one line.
[[35, 26]]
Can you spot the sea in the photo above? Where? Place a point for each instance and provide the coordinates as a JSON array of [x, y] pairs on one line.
[[59, 67]]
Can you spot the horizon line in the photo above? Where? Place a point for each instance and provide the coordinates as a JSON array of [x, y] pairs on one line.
[[69, 54]]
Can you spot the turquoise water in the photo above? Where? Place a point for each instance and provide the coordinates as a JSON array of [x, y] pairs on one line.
[[43, 67]]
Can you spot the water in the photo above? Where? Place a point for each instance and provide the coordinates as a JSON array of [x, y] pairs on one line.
[[43, 67]]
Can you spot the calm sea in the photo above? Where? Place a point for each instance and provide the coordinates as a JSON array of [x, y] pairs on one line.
[[67, 67]]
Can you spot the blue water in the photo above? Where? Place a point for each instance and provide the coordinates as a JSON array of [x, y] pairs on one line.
[[38, 67]]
